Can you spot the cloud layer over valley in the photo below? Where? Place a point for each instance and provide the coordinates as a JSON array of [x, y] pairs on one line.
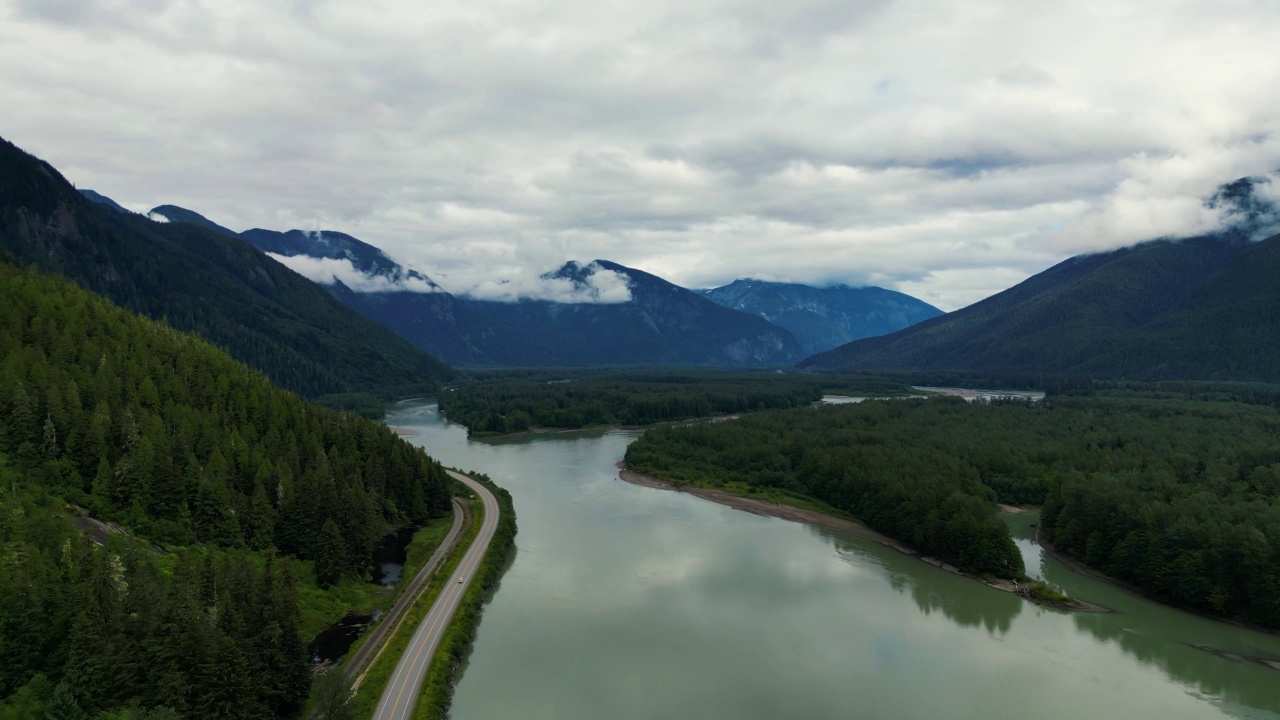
[[944, 149]]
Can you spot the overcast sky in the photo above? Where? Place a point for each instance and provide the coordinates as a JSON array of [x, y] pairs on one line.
[[945, 149]]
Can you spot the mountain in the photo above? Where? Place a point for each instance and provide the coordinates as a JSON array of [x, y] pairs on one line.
[[173, 213], [103, 200], [261, 499], [332, 245], [1200, 308], [202, 281], [1227, 328], [661, 323], [823, 318]]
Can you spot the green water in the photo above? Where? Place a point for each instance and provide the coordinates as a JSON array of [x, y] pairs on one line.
[[626, 602]]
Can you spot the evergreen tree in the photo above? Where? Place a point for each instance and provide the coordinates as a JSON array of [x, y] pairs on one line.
[[63, 705], [331, 553]]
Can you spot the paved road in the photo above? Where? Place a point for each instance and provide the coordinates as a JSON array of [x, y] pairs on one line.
[[372, 647], [402, 689]]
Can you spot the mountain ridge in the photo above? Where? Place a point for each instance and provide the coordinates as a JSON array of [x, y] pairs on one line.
[[824, 317], [1194, 308], [204, 282], [668, 325]]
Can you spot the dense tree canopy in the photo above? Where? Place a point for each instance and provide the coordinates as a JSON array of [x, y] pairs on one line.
[[112, 415], [507, 402], [1178, 497], [85, 630], [201, 281]]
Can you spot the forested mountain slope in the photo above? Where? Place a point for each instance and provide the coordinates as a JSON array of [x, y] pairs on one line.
[[1227, 328], [1142, 311], [204, 282], [822, 318], [163, 433], [662, 324]]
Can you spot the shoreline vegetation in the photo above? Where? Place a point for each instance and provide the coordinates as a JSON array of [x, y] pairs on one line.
[[786, 509], [1080, 568], [368, 685], [507, 404], [436, 696], [1174, 496]]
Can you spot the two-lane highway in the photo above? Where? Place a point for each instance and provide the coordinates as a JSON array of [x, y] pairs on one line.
[[401, 693]]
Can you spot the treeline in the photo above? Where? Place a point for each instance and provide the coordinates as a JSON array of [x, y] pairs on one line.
[[514, 403], [161, 432], [854, 458], [442, 676], [119, 632], [201, 281], [1180, 498], [158, 431], [1207, 390]]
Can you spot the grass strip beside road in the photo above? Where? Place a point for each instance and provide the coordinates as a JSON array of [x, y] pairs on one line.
[[365, 701], [419, 551], [437, 690]]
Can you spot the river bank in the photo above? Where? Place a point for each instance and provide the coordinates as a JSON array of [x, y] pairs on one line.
[[1082, 569], [848, 526], [626, 589]]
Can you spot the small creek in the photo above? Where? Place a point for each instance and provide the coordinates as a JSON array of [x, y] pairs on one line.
[[389, 557]]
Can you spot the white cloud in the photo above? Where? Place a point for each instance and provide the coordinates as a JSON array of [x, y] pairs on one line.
[[329, 271], [915, 143], [597, 285], [157, 217]]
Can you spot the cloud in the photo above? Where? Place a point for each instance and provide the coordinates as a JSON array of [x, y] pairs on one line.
[[918, 144], [589, 284], [330, 271]]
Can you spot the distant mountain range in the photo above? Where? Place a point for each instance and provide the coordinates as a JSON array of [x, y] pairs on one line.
[[201, 281], [661, 323], [1200, 308], [822, 318]]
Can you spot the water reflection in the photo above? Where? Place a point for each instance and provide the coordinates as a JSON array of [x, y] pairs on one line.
[[627, 602], [1167, 638], [933, 590], [389, 555]]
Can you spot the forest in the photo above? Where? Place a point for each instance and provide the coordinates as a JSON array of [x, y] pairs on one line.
[[113, 416], [516, 401], [1177, 497], [201, 281]]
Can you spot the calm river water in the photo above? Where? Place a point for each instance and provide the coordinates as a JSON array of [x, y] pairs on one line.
[[628, 602]]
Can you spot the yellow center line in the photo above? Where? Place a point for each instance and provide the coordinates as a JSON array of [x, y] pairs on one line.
[[396, 705]]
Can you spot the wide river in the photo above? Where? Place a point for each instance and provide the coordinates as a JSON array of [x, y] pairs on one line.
[[627, 602]]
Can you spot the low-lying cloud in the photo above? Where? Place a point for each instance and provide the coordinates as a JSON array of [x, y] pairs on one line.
[[330, 271], [591, 284]]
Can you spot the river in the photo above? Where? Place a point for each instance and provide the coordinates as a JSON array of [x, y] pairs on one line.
[[628, 602]]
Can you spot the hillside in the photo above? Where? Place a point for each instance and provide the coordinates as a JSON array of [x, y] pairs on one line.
[[662, 324], [1227, 328], [822, 318], [255, 494], [1150, 310], [204, 282]]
